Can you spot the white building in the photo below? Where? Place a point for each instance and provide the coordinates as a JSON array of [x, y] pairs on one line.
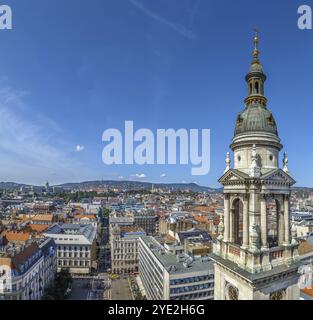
[[166, 276], [76, 246], [124, 249], [84, 219], [26, 271], [90, 208]]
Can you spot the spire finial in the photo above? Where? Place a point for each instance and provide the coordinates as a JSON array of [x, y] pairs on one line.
[[256, 45]]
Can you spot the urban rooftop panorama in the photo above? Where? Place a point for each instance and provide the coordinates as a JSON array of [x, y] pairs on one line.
[[168, 209]]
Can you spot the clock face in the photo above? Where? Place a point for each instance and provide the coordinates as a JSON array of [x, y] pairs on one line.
[[278, 295], [231, 292]]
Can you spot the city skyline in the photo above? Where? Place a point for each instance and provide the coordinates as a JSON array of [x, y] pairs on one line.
[[62, 87]]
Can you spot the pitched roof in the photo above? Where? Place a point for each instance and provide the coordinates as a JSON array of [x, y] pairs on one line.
[[85, 216], [21, 257], [39, 227], [201, 219], [308, 291], [204, 208], [305, 247], [43, 217], [16, 236]]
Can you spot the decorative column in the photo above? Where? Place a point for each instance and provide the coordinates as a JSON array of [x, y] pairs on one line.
[[245, 241], [281, 225], [263, 221], [287, 219], [226, 217], [231, 225]]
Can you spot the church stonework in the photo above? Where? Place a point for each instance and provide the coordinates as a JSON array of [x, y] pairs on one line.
[[256, 256]]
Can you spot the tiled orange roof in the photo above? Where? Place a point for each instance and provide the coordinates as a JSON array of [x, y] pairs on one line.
[[206, 209], [16, 236], [43, 217], [308, 291], [39, 227], [201, 219], [82, 216]]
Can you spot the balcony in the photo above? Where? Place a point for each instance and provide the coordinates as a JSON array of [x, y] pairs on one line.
[[276, 253], [234, 249], [264, 259]]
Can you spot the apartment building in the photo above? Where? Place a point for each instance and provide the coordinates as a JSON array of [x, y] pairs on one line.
[[83, 219], [76, 247], [124, 249], [147, 220], [166, 276], [26, 270]]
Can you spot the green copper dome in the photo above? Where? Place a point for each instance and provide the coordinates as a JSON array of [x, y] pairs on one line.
[[255, 118]]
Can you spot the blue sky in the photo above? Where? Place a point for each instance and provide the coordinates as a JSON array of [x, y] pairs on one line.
[[71, 69]]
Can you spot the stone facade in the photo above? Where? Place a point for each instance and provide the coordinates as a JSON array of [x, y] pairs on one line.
[[256, 256], [26, 271], [124, 249], [76, 247]]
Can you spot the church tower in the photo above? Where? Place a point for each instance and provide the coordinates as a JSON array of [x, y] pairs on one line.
[[256, 253]]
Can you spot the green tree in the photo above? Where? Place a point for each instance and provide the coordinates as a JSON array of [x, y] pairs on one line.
[[58, 289]]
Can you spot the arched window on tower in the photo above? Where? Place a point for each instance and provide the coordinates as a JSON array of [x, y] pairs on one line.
[[256, 88], [237, 221], [275, 223]]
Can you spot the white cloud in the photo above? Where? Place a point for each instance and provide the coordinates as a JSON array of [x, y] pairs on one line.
[[80, 148], [139, 175], [120, 177], [163, 175]]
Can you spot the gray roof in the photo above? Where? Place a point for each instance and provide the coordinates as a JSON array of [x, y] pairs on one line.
[[170, 262], [194, 233], [70, 226], [86, 230]]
